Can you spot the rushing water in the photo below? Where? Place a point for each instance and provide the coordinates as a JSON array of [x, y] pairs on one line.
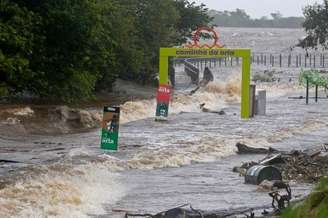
[[188, 159]]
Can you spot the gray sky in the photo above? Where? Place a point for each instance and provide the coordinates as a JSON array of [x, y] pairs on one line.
[[259, 8]]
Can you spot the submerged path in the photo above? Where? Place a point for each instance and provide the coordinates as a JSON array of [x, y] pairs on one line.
[[197, 145]]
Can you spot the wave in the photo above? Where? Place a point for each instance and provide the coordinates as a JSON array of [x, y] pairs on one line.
[[185, 153], [215, 95], [67, 190], [61, 191]]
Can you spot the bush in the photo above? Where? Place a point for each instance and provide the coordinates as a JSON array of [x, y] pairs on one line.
[[68, 49], [314, 78], [315, 206], [266, 76]]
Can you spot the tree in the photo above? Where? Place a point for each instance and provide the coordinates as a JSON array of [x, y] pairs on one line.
[[162, 23], [69, 49], [70, 46], [316, 25], [276, 15], [191, 16], [18, 27], [239, 18]]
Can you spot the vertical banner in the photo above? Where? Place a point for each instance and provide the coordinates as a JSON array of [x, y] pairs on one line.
[[163, 101], [110, 127]]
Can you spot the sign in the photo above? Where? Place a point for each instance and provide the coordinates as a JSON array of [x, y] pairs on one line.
[[163, 100], [110, 127], [197, 35], [245, 54], [198, 49], [182, 52]]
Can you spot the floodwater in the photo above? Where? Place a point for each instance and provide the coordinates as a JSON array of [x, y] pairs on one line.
[[160, 165]]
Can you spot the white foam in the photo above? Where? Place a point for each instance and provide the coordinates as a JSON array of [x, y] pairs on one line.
[[207, 149], [26, 111], [62, 192], [215, 95]]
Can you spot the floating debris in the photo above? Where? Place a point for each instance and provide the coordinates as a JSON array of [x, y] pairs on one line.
[[304, 166]]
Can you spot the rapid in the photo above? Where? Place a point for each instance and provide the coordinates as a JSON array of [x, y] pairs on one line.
[[188, 159]]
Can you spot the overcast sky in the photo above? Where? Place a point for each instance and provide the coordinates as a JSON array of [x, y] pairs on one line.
[[259, 8]]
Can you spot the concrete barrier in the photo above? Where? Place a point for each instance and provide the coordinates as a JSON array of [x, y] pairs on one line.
[[261, 103]]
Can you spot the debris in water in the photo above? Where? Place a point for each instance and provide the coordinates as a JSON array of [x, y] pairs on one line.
[[244, 149], [206, 110], [278, 204], [208, 77], [258, 173], [303, 166]]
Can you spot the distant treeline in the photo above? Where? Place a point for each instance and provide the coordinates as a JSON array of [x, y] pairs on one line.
[[239, 18], [69, 49]]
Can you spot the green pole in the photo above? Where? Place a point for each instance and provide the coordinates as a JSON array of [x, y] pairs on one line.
[[245, 112]]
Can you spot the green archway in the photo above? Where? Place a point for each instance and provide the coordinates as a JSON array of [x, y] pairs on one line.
[[245, 54]]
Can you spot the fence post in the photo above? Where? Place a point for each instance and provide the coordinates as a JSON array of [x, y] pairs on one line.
[[265, 60], [307, 91], [316, 93], [296, 60], [314, 60], [323, 60], [272, 60], [280, 61], [300, 60]]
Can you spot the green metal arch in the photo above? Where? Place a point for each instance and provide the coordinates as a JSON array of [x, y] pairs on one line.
[[245, 54]]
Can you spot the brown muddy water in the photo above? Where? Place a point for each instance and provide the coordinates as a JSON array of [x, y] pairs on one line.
[[188, 159]]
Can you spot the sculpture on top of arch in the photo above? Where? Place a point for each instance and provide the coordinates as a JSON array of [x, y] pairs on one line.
[[197, 35]]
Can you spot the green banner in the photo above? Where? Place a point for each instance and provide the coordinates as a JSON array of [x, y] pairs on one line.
[[110, 128]]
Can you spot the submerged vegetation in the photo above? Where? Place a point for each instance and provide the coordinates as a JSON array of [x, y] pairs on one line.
[[265, 76], [69, 49]]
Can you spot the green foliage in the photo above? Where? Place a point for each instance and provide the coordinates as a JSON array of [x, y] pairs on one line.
[[239, 18], [162, 23], [316, 25], [191, 17], [68, 49], [314, 78], [315, 206], [18, 27]]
